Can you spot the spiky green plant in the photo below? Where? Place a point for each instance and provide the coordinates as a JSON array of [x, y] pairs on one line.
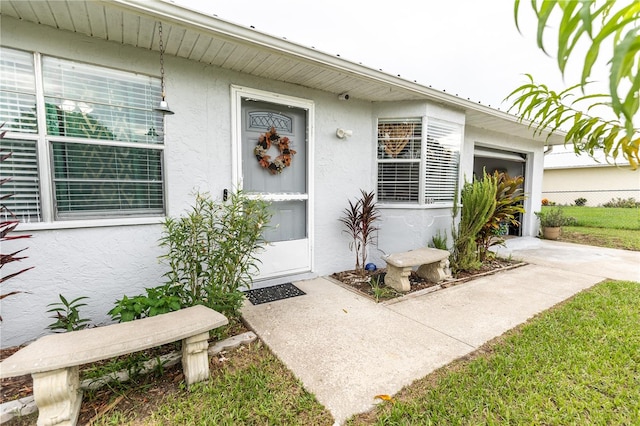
[[8, 223], [359, 221], [509, 197], [478, 204]]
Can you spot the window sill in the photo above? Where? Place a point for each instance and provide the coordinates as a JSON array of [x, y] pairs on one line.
[[89, 223], [415, 206]]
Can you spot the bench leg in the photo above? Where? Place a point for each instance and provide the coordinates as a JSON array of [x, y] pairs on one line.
[[58, 396], [195, 359], [435, 272], [398, 278]]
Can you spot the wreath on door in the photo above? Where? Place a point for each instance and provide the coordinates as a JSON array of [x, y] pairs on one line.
[[282, 161]]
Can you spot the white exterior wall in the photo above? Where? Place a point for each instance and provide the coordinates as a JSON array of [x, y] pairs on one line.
[[598, 185], [107, 259]]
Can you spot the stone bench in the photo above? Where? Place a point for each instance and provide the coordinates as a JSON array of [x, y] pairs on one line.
[[53, 360], [433, 265]]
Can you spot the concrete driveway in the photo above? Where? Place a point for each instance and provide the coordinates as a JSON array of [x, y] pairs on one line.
[[346, 349], [589, 260]]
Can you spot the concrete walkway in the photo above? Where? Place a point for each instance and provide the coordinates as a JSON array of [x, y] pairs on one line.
[[346, 349]]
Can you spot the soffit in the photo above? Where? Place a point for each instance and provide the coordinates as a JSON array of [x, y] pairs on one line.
[[207, 39]]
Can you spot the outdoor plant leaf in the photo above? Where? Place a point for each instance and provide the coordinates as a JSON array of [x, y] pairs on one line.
[[6, 227], [67, 314], [597, 24], [211, 254], [359, 221], [386, 398]]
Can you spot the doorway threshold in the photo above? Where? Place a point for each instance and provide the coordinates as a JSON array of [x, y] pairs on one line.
[[270, 282]]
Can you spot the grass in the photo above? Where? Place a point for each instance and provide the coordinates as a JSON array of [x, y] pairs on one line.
[[602, 237], [603, 226], [576, 364], [251, 386], [604, 217]]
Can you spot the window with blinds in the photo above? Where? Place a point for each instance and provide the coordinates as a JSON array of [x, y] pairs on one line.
[[416, 167], [441, 160], [399, 153], [98, 140]]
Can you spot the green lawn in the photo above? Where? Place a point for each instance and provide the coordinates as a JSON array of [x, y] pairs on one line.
[[603, 226], [576, 364], [625, 239], [249, 387], [604, 217]]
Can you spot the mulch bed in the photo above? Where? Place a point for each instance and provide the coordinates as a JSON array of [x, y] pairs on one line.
[[361, 280]]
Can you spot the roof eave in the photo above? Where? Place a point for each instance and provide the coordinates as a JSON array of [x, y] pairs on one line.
[[225, 29]]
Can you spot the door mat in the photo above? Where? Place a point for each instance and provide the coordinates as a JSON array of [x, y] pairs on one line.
[[271, 294]]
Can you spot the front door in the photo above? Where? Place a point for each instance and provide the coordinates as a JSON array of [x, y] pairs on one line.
[[281, 178]]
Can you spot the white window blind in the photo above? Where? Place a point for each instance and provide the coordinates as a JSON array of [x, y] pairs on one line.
[[399, 151], [417, 168], [100, 133], [92, 102], [17, 91], [23, 188], [441, 160]]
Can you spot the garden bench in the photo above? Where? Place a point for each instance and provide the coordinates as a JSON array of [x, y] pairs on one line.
[[433, 265], [53, 360]]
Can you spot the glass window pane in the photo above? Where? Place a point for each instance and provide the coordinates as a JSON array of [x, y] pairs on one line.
[[398, 182], [94, 102], [399, 139], [21, 167], [98, 180], [442, 160], [17, 91], [399, 151], [289, 221]]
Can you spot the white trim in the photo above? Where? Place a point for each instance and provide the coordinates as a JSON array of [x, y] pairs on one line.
[[501, 154], [90, 223], [408, 206], [104, 142], [45, 171], [239, 92]]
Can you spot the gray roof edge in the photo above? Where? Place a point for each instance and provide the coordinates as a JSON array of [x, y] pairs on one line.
[[210, 23]]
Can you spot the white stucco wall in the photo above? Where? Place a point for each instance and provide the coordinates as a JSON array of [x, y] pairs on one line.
[[598, 185], [107, 260]]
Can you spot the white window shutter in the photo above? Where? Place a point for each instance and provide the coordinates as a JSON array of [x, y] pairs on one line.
[[442, 160]]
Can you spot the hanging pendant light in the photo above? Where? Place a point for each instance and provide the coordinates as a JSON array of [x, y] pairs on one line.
[[164, 106]]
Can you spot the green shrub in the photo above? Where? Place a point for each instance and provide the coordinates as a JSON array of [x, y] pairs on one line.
[[211, 250], [554, 217], [478, 205], [509, 197], [580, 201], [159, 300], [627, 203], [439, 241], [67, 315], [211, 257]]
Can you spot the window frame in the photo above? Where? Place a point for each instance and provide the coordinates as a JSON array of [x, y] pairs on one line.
[[49, 218], [423, 198]]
